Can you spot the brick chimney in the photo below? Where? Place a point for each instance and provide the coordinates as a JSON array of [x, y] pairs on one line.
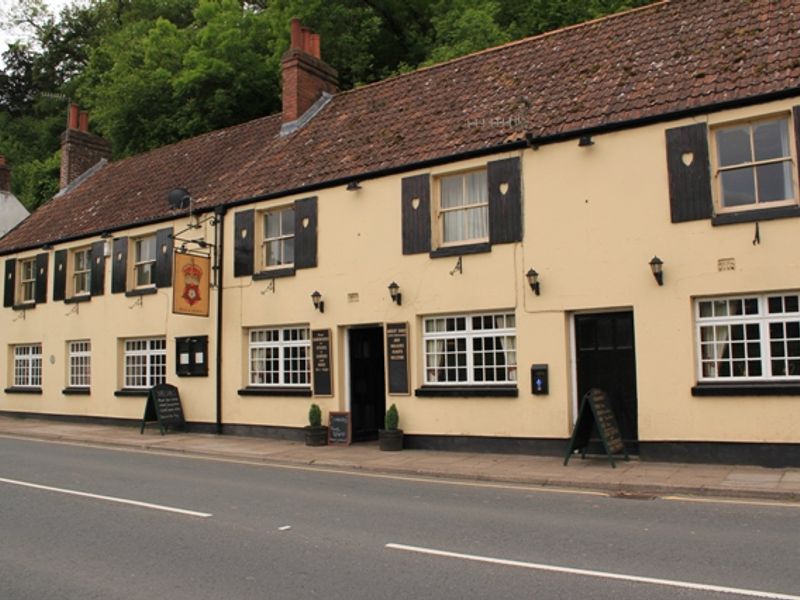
[[5, 175], [305, 76], [80, 150]]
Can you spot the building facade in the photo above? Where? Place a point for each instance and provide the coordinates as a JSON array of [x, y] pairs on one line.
[[479, 243]]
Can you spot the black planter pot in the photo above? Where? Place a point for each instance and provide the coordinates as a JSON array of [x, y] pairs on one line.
[[316, 436], [390, 441]]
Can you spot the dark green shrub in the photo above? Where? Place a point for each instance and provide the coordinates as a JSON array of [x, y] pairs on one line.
[[314, 416], [392, 418]]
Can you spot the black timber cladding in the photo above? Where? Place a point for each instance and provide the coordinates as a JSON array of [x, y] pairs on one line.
[[416, 214], [305, 233], [41, 277], [119, 265], [689, 185], [164, 243], [60, 275], [243, 243], [505, 209], [97, 257], [9, 280]]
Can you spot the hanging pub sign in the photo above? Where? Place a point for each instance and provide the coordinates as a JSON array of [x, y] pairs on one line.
[[595, 415], [190, 289]]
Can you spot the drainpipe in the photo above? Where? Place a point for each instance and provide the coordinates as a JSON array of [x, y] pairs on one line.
[[219, 213]]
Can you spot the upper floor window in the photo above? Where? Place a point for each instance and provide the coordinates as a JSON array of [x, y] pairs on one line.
[[463, 209], [144, 261], [280, 357], [754, 165], [278, 244], [27, 280], [81, 271], [749, 337], [28, 365]]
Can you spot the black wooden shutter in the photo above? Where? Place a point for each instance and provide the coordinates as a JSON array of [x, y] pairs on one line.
[[119, 266], [305, 233], [243, 243], [796, 119], [689, 184], [41, 277], [97, 257], [416, 214], [60, 275], [505, 201], [164, 258], [9, 280]]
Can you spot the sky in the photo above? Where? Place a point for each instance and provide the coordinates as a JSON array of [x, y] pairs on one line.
[[5, 5]]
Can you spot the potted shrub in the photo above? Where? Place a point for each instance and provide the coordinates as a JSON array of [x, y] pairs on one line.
[[391, 438], [316, 432]]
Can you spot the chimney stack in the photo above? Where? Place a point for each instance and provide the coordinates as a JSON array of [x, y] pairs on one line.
[[80, 150], [5, 175], [305, 76]]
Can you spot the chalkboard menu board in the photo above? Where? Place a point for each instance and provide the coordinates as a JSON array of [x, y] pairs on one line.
[[321, 349], [164, 405], [397, 356], [339, 428], [595, 414]]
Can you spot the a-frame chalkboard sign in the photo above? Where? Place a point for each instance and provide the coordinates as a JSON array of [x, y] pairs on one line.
[[164, 405], [595, 414]]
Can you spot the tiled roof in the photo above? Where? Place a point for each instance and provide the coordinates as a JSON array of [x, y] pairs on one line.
[[672, 56]]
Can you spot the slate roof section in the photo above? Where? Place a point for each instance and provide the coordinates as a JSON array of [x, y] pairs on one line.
[[672, 56]]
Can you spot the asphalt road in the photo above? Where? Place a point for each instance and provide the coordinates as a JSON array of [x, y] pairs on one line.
[[280, 532]]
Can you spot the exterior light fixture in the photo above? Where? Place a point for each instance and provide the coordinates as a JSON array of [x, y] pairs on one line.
[[353, 186], [656, 266], [586, 140], [319, 303], [533, 280], [394, 292]]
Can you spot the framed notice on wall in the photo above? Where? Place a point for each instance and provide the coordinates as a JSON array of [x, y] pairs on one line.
[[397, 357], [191, 287]]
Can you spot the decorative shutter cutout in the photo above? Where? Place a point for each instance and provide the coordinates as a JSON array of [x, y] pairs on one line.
[[416, 214], [243, 243], [305, 233], [97, 256], [41, 277], [505, 201], [164, 244], [60, 275], [9, 279], [119, 266], [689, 173]]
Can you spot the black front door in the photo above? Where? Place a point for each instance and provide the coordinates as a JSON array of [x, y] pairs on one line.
[[606, 359], [367, 384]]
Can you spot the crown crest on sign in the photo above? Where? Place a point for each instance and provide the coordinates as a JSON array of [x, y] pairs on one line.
[[192, 273]]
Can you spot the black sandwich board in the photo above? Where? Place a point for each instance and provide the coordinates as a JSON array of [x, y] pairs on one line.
[[164, 405], [595, 414], [339, 428]]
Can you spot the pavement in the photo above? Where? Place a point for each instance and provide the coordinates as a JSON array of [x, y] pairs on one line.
[[633, 479]]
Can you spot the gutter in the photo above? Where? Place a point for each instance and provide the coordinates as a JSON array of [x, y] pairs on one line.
[[530, 141]]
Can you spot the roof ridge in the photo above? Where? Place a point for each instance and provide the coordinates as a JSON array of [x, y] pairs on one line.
[[519, 42]]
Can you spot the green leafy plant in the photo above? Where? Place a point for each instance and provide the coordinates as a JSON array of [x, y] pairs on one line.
[[314, 416], [392, 418]]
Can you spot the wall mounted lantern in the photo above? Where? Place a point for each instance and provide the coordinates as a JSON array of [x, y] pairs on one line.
[[656, 266], [585, 140], [319, 303], [533, 280], [353, 186], [394, 292]]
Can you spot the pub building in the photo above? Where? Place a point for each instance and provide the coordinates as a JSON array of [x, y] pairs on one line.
[[613, 205]]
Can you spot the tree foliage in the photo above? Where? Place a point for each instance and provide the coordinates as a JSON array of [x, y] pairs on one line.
[[152, 72]]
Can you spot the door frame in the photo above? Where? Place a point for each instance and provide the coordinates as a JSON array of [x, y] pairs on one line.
[[346, 338], [573, 349]]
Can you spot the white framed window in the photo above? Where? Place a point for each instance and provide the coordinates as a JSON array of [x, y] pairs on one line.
[[27, 280], [144, 261], [278, 244], [280, 357], [81, 267], [80, 364], [749, 338], [28, 365], [145, 362], [476, 349], [463, 208], [754, 165]]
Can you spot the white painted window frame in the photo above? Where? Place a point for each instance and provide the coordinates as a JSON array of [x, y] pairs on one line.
[[27, 370], [282, 346], [152, 355], [80, 363]]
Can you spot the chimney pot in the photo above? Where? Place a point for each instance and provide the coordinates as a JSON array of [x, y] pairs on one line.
[[80, 150], [72, 116], [314, 49], [297, 35], [83, 123]]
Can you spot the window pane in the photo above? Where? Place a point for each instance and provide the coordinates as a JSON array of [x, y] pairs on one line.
[[272, 225], [734, 146], [453, 226], [287, 221], [476, 187], [771, 140], [288, 251], [452, 191], [774, 181], [738, 187]]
